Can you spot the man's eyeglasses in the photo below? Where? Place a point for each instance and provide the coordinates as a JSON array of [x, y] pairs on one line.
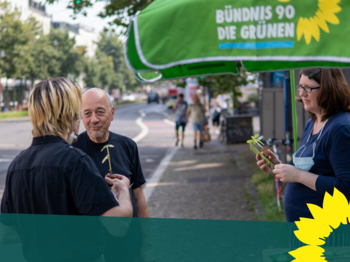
[[306, 88]]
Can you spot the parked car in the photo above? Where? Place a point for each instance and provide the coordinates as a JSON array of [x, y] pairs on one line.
[[153, 97], [171, 101], [128, 97]]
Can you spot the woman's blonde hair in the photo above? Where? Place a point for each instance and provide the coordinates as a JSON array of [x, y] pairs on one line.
[[53, 106]]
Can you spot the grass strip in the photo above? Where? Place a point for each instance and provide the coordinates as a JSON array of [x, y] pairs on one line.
[[13, 114], [265, 186]]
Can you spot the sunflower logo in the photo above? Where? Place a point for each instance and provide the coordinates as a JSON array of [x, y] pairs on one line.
[[310, 27], [314, 232]]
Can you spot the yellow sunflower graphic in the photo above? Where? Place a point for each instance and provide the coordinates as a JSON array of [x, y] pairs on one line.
[[310, 27], [314, 232]]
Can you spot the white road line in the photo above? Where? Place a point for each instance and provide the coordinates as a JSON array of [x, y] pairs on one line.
[[158, 173], [144, 129], [5, 160], [142, 113], [167, 121]]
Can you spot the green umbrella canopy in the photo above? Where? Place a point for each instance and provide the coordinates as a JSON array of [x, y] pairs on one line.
[[183, 38]]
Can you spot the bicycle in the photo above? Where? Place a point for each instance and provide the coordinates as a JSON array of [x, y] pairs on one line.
[[222, 125], [274, 143]]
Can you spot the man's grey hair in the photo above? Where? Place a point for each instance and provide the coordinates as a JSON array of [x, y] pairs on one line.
[[109, 102]]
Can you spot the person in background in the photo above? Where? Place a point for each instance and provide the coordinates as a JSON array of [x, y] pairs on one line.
[[197, 113], [215, 110], [180, 118], [322, 161], [52, 177]]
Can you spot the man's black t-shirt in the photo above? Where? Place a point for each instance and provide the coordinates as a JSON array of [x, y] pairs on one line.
[[124, 159], [52, 177]]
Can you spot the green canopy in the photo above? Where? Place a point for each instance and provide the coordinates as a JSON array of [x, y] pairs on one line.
[[184, 38]]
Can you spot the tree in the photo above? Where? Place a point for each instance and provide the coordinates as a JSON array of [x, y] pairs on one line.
[[70, 60], [121, 10], [45, 63], [111, 46], [15, 37], [107, 72], [92, 72], [227, 83]]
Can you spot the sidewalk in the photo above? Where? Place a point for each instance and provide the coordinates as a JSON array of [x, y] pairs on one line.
[[208, 183]]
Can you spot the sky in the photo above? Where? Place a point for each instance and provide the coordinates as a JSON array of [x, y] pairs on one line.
[[60, 13]]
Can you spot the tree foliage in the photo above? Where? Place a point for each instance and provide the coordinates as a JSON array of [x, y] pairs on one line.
[[108, 68], [121, 11], [227, 83], [70, 60], [26, 53]]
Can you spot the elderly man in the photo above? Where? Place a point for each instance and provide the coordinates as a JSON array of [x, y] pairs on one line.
[[97, 113], [51, 177]]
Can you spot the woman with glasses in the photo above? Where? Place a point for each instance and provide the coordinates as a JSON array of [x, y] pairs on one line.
[[322, 161]]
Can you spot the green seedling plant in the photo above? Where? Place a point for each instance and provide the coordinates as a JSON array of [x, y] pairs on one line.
[[108, 157], [255, 140]]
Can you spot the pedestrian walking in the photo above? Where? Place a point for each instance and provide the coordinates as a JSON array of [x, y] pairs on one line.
[[97, 114], [197, 113], [215, 111], [180, 118], [52, 177], [322, 160]]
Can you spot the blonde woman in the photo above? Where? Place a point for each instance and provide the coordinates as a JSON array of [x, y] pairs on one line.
[[197, 113], [52, 177]]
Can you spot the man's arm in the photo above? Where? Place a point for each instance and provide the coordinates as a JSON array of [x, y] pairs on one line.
[[188, 112], [175, 105], [141, 207], [121, 187]]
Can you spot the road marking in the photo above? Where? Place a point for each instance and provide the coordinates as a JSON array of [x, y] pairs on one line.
[[167, 121], [142, 113], [199, 166], [158, 173], [161, 184], [144, 129], [5, 160], [16, 146]]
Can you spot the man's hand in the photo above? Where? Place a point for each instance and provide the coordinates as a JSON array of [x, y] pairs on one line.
[[119, 183]]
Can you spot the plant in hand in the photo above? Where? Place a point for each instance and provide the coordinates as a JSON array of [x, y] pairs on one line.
[[108, 157], [263, 149]]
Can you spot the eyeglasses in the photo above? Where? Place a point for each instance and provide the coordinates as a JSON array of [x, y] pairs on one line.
[[306, 88]]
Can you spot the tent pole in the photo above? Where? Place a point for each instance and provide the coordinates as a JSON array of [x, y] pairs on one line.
[[294, 110]]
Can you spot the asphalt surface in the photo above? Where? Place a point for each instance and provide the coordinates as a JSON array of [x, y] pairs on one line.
[[16, 136]]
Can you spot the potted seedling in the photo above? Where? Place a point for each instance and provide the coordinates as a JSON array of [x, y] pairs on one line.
[[108, 157], [264, 150]]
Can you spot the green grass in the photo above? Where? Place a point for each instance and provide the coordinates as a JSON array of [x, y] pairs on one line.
[[13, 114], [265, 186]]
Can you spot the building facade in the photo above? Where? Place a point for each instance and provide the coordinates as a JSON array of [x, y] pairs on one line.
[[84, 36], [29, 8]]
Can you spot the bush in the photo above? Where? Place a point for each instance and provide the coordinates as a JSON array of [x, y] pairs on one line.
[[253, 98]]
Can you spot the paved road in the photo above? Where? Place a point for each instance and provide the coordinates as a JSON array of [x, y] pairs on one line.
[[16, 136]]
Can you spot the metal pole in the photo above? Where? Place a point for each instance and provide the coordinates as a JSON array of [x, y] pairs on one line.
[[294, 110]]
